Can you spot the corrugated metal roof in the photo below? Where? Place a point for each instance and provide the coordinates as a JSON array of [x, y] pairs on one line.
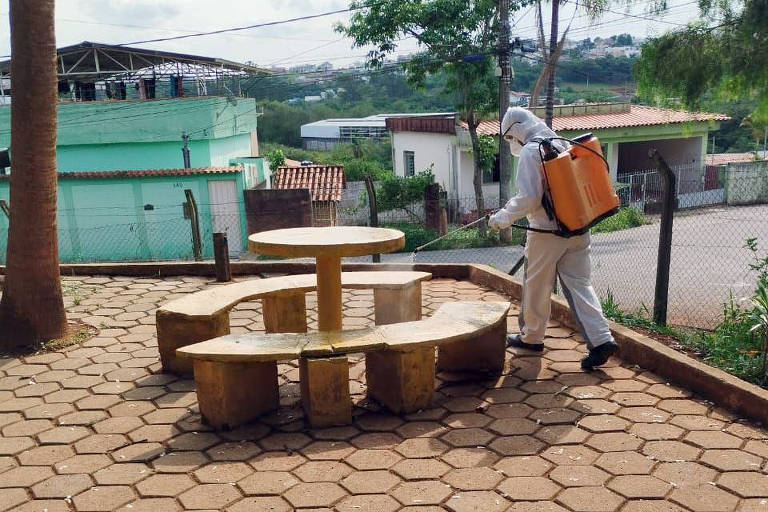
[[325, 182], [636, 115], [138, 173]]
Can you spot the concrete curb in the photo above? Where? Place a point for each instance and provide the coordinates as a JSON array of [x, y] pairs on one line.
[[715, 385]]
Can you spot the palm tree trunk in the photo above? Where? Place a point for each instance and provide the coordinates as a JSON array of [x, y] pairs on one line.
[[32, 309], [552, 59]]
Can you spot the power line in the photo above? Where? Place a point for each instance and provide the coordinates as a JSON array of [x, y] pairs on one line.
[[237, 29]]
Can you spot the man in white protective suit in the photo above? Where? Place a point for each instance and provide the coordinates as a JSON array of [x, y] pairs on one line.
[[548, 255]]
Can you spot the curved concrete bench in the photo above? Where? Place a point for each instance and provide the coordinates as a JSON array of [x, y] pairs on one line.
[[205, 315], [236, 375]]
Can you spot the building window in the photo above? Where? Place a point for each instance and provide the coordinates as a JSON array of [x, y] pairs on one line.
[[410, 166]]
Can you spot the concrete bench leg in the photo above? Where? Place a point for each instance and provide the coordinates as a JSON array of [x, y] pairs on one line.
[[286, 313], [397, 305], [230, 394], [402, 381], [176, 331], [325, 390], [484, 353]]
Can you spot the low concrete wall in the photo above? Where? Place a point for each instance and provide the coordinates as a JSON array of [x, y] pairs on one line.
[[721, 388], [747, 183]]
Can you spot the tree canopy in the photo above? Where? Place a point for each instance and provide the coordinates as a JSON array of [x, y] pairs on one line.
[[456, 36], [724, 53]]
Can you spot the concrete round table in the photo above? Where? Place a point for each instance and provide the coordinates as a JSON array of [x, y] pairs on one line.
[[327, 245]]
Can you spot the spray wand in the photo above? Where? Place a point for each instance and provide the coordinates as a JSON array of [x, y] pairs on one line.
[[465, 226]]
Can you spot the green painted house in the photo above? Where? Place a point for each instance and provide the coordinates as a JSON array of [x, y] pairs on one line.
[[124, 116], [147, 134], [122, 175]]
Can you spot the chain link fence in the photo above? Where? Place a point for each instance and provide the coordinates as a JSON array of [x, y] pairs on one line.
[[718, 210]]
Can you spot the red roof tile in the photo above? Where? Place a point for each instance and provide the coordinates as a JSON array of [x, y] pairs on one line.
[[636, 115], [147, 172], [724, 158], [325, 182]]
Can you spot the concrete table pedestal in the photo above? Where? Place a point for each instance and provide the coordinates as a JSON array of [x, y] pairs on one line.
[[325, 380]]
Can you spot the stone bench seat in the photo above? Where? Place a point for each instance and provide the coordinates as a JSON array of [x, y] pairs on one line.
[[205, 315], [236, 375]]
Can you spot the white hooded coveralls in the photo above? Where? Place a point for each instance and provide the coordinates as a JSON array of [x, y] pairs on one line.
[[547, 255]]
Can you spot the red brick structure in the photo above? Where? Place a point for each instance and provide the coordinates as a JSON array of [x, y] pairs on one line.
[[326, 184]]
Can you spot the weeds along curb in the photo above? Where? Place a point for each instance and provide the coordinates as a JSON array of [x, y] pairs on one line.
[[711, 383]]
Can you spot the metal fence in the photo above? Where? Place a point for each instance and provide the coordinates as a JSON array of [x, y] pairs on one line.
[[718, 209]]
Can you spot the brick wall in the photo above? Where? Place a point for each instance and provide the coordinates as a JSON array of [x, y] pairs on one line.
[[277, 209]]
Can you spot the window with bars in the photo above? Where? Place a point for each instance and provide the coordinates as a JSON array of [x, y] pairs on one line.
[[410, 166]]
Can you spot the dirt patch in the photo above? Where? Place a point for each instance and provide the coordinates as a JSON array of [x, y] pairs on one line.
[[76, 334], [671, 342]]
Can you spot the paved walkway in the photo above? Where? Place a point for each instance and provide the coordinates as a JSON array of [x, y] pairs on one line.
[[97, 428]]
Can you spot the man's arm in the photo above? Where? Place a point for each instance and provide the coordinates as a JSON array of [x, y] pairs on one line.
[[529, 190]]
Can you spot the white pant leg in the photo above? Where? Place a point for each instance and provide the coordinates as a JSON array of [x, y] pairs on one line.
[[574, 269], [542, 252]]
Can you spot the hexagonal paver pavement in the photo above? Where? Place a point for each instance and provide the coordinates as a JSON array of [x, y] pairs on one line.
[[98, 427]]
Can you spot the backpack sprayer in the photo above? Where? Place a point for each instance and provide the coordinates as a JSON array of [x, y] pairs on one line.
[[577, 188]]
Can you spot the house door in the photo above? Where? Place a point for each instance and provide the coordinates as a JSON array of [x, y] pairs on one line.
[[225, 212]]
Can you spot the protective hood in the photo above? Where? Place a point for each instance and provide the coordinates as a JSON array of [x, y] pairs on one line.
[[523, 126]]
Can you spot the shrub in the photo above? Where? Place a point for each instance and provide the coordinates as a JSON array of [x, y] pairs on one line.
[[398, 192], [625, 218], [737, 345], [357, 170], [276, 158]]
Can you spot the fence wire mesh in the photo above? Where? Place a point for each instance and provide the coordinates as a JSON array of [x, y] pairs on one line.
[[719, 209]]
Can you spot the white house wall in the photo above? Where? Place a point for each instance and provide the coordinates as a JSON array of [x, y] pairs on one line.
[[429, 150]]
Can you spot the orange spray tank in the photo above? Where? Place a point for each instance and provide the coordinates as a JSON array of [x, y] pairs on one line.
[[579, 192]]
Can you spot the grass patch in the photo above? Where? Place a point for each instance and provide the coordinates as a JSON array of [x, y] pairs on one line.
[[417, 235], [625, 218], [75, 290], [76, 334]]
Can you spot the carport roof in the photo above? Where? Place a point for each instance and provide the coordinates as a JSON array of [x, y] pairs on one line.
[[630, 116]]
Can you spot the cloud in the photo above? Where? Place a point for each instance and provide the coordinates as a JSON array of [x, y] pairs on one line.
[[130, 11], [309, 6]]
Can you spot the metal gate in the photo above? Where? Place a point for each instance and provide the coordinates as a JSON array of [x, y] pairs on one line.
[[225, 213]]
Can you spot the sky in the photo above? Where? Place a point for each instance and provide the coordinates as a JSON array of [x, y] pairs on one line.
[[302, 42]]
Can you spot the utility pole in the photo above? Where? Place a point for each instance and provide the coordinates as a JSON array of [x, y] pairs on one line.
[[185, 149], [505, 164]]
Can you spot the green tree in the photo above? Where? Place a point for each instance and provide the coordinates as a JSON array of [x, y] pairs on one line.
[[456, 38], [724, 53], [276, 158], [623, 40]]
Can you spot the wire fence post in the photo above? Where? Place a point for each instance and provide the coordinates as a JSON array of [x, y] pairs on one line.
[[221, 258], [194, 219], [661, 293], [373, 208]]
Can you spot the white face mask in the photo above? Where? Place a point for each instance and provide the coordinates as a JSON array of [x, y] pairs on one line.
[[515, 147]]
